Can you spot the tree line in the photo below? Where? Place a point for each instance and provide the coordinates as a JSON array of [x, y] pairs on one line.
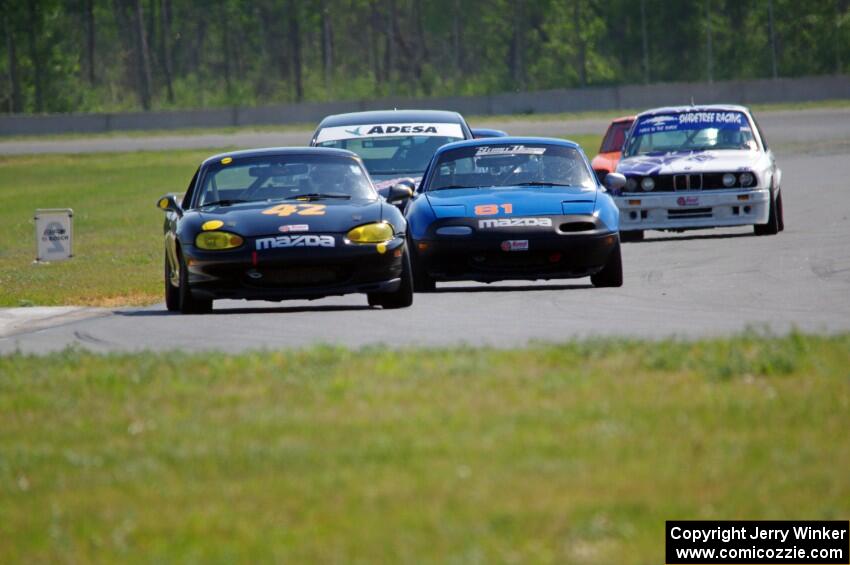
[[110, 55]]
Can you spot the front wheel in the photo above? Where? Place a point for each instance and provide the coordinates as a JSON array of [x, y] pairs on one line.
[[401, 298], [172, 293], [611, 274], [188, 303], [422, 281], [773, 220]]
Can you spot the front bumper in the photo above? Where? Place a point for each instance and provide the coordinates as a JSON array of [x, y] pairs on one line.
[[693, 209], [551, 253], [296, 273]]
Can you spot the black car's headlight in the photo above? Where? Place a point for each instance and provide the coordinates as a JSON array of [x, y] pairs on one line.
[[379, 232], [218, 240]]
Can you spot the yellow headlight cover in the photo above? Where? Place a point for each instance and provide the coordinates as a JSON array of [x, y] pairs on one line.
[[217, 240], [371, 233]]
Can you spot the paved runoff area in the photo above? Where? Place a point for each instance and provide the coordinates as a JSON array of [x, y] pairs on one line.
[[700, 283]]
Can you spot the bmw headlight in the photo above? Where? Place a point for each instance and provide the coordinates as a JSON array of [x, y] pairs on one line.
[[631, 185], [747, 179], [218, 240], [371, 233], [647, 183], [728, 180]]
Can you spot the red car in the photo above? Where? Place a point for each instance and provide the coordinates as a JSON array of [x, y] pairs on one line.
[[612, 145]]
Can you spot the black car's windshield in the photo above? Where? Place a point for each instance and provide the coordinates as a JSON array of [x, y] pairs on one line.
[[527, 164], [394, 149], [690, 131], [234, 180]]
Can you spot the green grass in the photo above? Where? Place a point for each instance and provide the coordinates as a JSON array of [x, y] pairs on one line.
[[590, 142], [117, 227], [566, 453]]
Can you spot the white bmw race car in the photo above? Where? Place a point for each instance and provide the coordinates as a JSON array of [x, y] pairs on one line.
[[695, 167]]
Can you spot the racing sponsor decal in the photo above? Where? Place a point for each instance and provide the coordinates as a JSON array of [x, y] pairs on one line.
[[284, 210], [514, 223], [515, 245], [493, 209], [338, 133], [688, 201], [487, 150], [692, 121], [287, 241], [293, 228]]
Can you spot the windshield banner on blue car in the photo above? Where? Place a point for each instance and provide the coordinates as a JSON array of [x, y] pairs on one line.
[[735, 121]]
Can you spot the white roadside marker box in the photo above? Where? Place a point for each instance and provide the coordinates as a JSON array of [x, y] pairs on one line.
[[54, 234]]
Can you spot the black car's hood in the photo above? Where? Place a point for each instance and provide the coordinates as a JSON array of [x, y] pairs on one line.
[[267, 218]]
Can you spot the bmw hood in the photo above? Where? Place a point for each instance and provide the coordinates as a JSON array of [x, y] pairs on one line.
[[268, 218], [675, 162], [517, 201]]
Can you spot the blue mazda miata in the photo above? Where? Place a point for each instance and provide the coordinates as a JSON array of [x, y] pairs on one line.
[[513, 208]]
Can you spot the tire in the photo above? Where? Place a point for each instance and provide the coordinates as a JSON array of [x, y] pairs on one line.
[[401, 298], [772, 225], [422, 281], [172, 293], [780, 216], [611, 274], [188, 303], [631, 235]]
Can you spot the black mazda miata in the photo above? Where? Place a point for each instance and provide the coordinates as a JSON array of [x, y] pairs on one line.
[[277, 224]]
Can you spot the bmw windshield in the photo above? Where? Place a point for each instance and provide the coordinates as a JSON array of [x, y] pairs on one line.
[[526, 164], [690, 131], [391, 149], [234, 180]]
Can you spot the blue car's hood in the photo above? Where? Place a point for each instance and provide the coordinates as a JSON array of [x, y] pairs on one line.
[[523, 200]]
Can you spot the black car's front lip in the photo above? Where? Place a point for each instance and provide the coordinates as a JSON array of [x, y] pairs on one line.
[[305, 272], [552, 252]]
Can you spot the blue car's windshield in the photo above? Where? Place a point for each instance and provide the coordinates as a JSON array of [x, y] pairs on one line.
[[526, 164], [690, 131], [234, 180]]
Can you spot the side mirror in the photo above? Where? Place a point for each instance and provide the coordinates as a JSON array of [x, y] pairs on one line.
[[400, 192], [168, 203], [484, 133], [614, 181]]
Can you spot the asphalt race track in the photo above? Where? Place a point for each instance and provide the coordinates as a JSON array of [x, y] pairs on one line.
[[699, 283]]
